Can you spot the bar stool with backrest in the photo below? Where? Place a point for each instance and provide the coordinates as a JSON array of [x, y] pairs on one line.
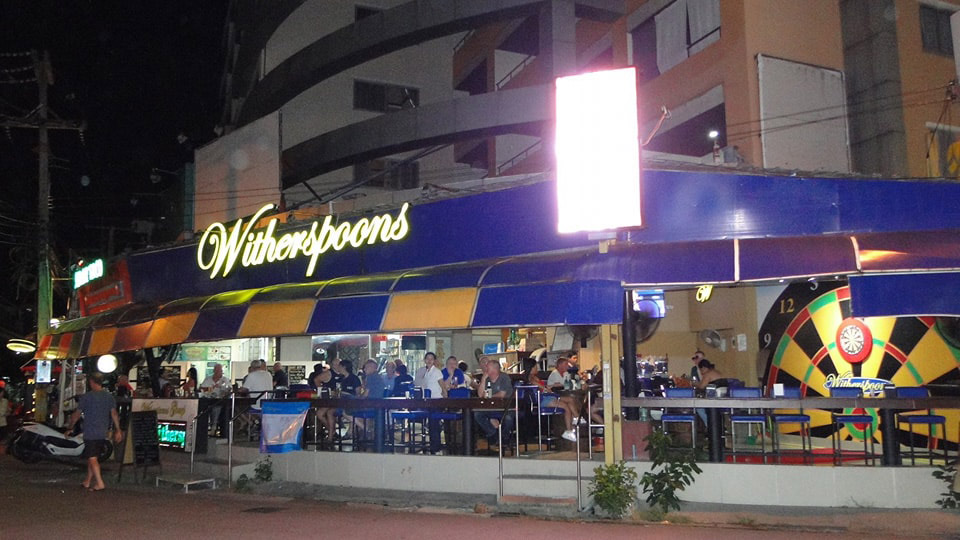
[[413, 434], [542, 412], [842, 418], [930, 420], [669, 417], [747, 417], [523, 396], [449, 417], [591, 426], [793, 417]]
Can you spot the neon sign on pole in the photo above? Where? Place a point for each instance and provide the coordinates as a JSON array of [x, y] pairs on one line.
[[220, 250], [598, 151], [88, 273]]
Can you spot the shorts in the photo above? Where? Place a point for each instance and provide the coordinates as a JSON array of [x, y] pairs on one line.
[[93, 447], [549, 401]]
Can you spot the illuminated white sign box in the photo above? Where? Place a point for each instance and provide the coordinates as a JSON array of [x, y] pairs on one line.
[[598, 151]]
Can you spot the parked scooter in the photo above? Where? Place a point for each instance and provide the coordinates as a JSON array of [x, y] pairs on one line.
[[33, 442]]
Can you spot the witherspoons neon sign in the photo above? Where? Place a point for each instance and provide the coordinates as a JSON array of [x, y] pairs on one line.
[[220, 250], [869, 385]]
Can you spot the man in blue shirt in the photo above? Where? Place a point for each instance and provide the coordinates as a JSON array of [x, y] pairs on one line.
[[452, 376], [98, 409]]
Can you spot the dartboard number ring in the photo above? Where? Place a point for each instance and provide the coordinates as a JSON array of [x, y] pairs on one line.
[[854, 340]]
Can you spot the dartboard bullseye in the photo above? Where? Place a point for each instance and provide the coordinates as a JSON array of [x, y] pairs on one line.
[[854, 341]]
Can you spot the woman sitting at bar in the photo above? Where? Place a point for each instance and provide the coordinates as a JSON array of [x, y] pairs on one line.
[[322, 378], [708, 375], [402, 382], [189, 386], [567, 403]]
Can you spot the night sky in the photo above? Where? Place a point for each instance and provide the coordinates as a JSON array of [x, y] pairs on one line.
[[139, 73]]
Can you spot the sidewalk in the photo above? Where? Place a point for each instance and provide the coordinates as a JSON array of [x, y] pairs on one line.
[[874, 522]]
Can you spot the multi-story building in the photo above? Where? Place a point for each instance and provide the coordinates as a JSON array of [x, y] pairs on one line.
[[395, 94], [329, 99]]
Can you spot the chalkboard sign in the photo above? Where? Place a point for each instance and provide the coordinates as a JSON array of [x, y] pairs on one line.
[[146, 442], [296, 374], [141, 444]]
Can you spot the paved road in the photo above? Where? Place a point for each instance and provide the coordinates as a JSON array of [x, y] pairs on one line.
[[46, 501]]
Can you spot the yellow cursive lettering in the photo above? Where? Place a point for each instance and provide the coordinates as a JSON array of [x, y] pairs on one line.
[[220, 249]]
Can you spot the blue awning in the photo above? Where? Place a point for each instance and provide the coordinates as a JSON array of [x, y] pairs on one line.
[[894, 295], [890, 274], [580, 302], [348, 314]]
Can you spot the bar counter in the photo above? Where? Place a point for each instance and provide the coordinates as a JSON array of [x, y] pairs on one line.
[[887, 408]]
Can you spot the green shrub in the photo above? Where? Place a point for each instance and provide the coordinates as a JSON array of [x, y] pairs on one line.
[[951, 498], [242, 485], [263, 472], [670, 472], [614, 488]]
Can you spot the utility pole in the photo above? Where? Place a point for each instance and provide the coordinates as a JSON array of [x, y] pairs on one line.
[[40, 120], [44, 285]]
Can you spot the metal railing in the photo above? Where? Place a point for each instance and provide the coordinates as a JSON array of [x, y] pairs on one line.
[[514, 72], [522, 155], [463, 40], [516, 450]]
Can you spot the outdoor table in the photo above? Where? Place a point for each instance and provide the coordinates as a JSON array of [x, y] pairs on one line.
[[887, 408], [382, 405]]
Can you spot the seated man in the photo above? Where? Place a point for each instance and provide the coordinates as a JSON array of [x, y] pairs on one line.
[[500, 386], [217, 387], [453, 377], [373, 387], [258, 382], [560, 379]]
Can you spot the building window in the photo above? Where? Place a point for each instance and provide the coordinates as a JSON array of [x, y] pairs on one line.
[[380, 97], [682, 29], [362, 12], [935, 30], [388, 174]]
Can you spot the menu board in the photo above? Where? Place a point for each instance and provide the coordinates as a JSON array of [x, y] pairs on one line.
[[296, 374], [142, 444]]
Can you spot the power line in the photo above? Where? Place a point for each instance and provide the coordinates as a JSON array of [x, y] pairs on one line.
[[773, 129], [846, 105]]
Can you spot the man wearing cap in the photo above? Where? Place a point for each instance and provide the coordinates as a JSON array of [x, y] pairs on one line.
[[99, 409], [695, 371]]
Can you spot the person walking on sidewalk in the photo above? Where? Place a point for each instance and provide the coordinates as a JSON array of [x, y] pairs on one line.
[[99, 409]]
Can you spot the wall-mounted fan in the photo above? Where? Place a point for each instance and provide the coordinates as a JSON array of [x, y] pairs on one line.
[[646, 319], [584, 333], [713, 339]]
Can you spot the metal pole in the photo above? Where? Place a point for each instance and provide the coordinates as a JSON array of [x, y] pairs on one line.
[[500, 459], [629, 355], [516, 419], [233, 408], [193, 444], [589, 425], [579, 505]]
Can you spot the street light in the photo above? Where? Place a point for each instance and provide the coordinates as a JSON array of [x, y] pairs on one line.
[[155, 174], [21, 346], [107, 363]]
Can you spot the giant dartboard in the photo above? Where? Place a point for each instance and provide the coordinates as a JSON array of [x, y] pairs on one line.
[[811, 340]]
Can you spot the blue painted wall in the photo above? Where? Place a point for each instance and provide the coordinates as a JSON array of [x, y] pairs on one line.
[[678, 207]]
